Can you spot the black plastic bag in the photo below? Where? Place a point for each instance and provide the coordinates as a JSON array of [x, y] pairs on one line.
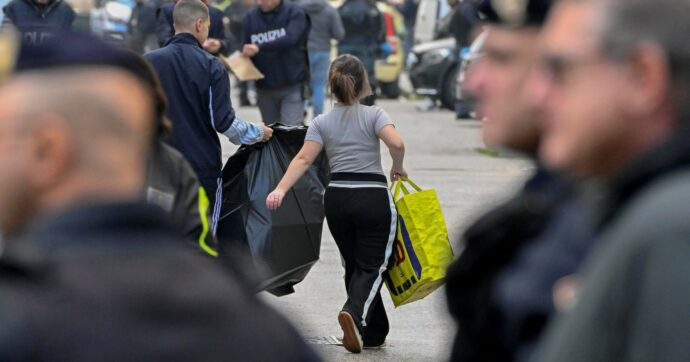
[[284, 243]]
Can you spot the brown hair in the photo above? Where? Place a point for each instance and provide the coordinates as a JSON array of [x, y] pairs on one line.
[[348, 79]]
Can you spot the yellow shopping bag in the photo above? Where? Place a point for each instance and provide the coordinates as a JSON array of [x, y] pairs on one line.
[[421, 251]]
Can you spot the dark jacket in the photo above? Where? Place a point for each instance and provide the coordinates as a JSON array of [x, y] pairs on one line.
[[500, 288], [281, 35], [172, 184], [198, 91], [325, 24], [235, 13], [165, 30], [363, 22], [38, 22], [459, 24], [632, 304], [112, 282]]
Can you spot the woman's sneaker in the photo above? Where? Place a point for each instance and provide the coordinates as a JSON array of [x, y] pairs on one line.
[[352, 341]]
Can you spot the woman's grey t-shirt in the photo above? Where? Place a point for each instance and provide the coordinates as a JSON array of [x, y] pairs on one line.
[[349, 135]]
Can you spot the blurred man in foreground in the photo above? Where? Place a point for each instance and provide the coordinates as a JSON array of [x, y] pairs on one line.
[[614, 83], [500, 288], [89, 271]]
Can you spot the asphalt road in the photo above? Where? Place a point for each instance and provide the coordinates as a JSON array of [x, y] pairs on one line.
[[441, 153]]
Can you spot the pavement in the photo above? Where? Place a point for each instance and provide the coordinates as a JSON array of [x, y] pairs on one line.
[[441, 153]]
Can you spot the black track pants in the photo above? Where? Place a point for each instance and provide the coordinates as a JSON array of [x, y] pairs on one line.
[[361, 216]]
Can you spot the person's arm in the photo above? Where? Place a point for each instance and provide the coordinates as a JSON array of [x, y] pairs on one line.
[[294, 32], [72, 16], [164, 28], [217, 42], [381, 36], [223, 118], [299, 165], [337, 29], [390, 136], [242, 132]]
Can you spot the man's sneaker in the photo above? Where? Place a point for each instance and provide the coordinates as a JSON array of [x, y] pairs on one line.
[[352, 341]]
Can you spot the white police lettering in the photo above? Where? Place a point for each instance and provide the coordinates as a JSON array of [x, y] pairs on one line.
[[268, 36]]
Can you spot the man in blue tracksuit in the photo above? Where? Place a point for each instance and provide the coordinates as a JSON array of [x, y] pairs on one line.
[[217, 43], [275, 37], [198, 89], [38, 19]]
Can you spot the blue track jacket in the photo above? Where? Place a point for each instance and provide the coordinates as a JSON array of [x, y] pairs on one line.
[[198, 91]]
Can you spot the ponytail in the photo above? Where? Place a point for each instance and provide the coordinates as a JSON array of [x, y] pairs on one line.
[[348, 80]]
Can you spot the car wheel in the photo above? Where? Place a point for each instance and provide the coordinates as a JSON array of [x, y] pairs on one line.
[[390, 90], [447, 91]]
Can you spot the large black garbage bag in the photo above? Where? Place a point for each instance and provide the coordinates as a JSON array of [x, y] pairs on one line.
[[284, 243]]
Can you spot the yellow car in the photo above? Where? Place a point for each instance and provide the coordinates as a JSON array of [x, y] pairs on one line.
[[388, 70]]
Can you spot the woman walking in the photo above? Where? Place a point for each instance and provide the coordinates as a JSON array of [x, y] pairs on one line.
[[359, 209]]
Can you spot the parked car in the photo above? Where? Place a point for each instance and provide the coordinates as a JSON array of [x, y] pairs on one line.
[[429, 13], [388, 70], [434, 68]]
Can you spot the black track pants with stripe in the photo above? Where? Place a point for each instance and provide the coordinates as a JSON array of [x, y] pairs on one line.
[[362, 219]]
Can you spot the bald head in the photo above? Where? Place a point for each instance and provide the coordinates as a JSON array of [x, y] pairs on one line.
[[69, 135]]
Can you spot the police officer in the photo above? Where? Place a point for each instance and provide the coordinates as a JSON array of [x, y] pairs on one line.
[[364, 32], [87, 267], [275, 37], [500, 288], [39, 19], [198, 88]]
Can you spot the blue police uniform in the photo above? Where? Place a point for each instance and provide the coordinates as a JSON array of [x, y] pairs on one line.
[[281, 35], [38, 22]]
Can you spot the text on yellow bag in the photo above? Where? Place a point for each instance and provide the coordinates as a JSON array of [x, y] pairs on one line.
[[421, 252]]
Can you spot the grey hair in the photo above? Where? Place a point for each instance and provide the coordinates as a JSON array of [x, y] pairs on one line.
[[627, 24], [187, 12]]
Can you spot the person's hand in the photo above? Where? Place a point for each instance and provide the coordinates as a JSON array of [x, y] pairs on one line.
[[275, 199], [396, 172], [268, 133], [212, 45], [250, 50]]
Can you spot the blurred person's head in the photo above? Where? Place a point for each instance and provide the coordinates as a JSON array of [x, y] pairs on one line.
[[83, 142], [347, 79], [192, 17], [613, 82], [267, 5], [42, 2], [497, 79]]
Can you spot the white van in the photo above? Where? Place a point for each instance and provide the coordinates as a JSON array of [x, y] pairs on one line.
[[428, 14]]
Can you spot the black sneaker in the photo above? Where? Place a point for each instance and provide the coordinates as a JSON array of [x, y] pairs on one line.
[[352, 341], [367, 345]]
